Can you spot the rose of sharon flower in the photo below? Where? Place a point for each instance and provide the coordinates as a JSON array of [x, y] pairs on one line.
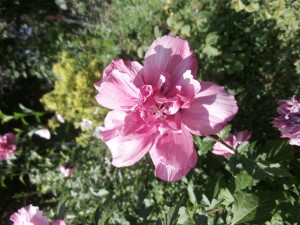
[[66, 169], [157, 107], [29, 215], [7, 146], [233, 141], [59, 222], [288, 121]]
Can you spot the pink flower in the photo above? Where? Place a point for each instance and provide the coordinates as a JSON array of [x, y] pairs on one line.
[[233, 141], [7, 146], [66, 169], [157, 107], [288, 121], [29, 215], [59, 222]]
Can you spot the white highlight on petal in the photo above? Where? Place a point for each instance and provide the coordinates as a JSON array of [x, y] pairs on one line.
[[43, 133]]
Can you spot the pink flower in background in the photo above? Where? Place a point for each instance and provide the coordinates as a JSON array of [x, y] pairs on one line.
[[59, 222], [157, 107], [29, 215], [233, 141], [7, 146], [66, 169], [288, 120]]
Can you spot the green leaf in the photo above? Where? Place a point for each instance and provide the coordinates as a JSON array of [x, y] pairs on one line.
[[104, 213], [172, 216], [205, 145], [252, 208], [191, 193], [61, 209], [263, 169], [278, 150], [223, 134], [25, 109], [185, 30], [252, 7], [243, 180], [212, 38], [237, 5], [226, 196], [243, 148], [211, 51]]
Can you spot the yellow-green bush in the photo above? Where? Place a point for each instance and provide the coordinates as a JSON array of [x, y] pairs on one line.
[[73, 94]]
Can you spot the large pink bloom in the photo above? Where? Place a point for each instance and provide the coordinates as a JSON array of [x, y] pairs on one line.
[[7, 146], [29, 215], [157, 108], [233, 141], [288, 121]]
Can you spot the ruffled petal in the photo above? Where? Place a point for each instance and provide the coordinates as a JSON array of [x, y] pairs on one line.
[[242, 136], [29, 215], [220, 149], [127, 150], [117, 91], [132, 69], [174, 155], [171, 55], [210, 111]]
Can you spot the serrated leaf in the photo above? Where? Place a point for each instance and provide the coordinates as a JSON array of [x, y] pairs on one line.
[[223, 134], [226, 196], [243, 148], [205, 146], [250, 208], [243, 180]]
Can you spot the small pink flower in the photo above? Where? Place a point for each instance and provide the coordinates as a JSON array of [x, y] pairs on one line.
[[7, 146], [233, 141], [58, 222], [66, 169], [157, 107], [288, 120], [29, 215]]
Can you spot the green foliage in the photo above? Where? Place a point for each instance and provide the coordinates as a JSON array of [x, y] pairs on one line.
[[250, 47], [250, 208]]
